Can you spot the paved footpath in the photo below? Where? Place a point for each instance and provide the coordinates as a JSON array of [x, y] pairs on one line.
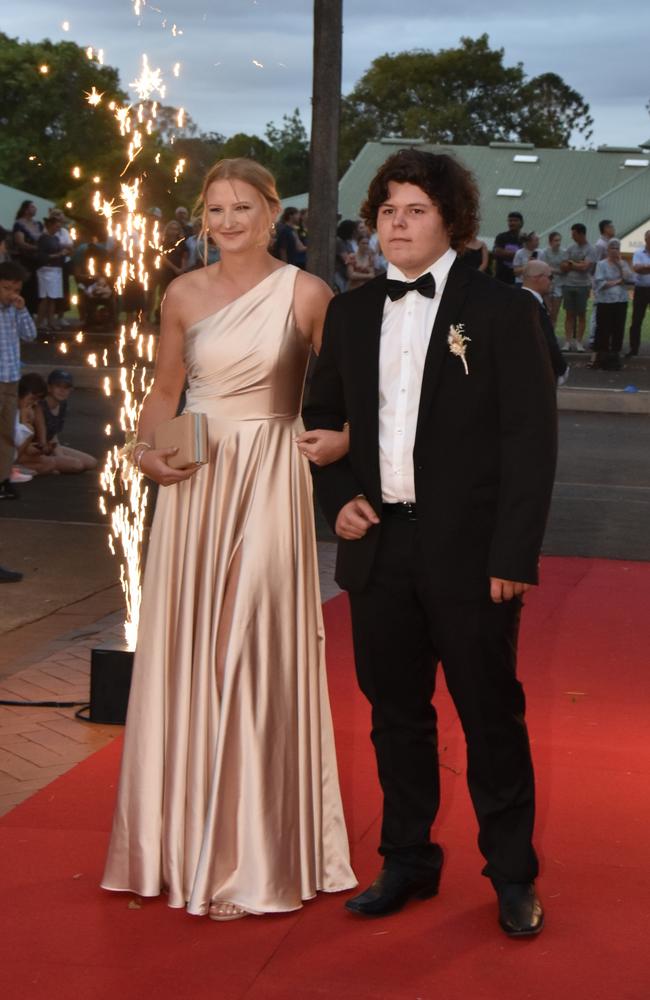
[[49, 660]]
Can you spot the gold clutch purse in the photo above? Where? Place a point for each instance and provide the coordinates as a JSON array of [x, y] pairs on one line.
[[188, 433]]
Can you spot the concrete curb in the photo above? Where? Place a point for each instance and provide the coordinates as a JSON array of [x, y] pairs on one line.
[[603, 400]]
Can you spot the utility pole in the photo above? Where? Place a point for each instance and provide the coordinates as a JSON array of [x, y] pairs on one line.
[[324, 147]]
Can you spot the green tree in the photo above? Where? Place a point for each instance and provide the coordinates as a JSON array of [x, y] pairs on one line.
[[251, 146], [289, 154], [551, 111], [463, 95], [47, 126]]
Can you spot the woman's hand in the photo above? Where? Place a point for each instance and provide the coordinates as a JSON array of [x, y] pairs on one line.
[[323, 447], [154, 465]]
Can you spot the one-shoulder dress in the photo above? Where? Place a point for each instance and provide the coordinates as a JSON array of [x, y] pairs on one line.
[[229, 787]]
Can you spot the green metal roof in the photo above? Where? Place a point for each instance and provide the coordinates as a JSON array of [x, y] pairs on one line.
[[555, 184]]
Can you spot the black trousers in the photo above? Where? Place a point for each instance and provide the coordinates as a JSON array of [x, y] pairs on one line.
[[402, 630], [610, 326], [640, 303]]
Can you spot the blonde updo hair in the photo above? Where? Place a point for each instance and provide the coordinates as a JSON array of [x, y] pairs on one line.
[[239, 168]]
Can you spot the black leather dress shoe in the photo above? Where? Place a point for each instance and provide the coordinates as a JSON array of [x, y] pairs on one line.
[[392, 888], [520, 911]]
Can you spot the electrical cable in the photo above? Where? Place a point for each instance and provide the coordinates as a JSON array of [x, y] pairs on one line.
[[43, 704]]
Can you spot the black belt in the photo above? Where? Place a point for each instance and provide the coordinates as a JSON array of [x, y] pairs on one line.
[[405, 510]]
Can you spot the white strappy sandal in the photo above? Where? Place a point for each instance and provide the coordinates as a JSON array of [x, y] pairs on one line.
[[221, 909]]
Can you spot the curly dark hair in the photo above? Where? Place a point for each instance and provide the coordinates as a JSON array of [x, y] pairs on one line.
[[449, 185]]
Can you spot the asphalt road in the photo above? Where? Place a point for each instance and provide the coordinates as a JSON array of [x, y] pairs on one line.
[[56, 534]]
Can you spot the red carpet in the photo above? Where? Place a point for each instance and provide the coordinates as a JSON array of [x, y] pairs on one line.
[[585, 662]]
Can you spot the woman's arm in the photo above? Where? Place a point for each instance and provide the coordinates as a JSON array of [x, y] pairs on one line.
[[485, 257], [356, 272], [312, 298], [324, 447], [628, 274], [601, 279], [161, 402], [21, 244]]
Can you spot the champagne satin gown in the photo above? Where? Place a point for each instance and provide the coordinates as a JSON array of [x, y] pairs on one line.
[[229, 786]]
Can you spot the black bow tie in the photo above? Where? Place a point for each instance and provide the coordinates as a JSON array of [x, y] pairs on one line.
[[425, 285]]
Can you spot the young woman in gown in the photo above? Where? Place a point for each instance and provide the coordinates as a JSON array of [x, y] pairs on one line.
[[228, 798]]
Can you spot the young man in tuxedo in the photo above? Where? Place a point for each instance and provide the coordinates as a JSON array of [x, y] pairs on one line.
[[440, 505]]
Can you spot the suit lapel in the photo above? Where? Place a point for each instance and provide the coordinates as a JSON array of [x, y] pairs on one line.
[[367, 333], [449, 311], [369, 320]]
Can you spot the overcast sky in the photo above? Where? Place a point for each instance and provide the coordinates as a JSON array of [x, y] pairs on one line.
[[604, 56]]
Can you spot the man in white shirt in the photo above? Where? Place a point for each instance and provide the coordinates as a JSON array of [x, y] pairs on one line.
[[440, 505], [641, 301]]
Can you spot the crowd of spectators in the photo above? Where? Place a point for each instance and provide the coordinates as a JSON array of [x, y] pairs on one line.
[[579, 272], [32, 409], [52, 252]]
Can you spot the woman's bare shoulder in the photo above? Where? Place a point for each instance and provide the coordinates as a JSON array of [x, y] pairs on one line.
[[190, 286], [310, 288]]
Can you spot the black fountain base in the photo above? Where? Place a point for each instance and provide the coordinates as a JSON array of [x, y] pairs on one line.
[[110, 683]]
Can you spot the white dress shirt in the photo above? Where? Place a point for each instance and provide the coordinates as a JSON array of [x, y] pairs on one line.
[[406, 329], [642, 259]]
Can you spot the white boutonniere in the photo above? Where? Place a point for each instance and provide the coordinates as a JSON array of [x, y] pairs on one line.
[[458, 343]]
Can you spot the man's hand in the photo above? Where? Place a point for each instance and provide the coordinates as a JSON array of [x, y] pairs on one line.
[[505, 590], [354, 519]]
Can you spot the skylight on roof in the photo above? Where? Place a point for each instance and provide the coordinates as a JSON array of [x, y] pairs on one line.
[[524, 158], [510, 192], [636, 163]]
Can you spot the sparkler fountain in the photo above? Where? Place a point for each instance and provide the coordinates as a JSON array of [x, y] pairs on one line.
[[124, 495]]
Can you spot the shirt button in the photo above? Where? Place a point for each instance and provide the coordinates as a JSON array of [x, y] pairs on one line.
[[402, 390]]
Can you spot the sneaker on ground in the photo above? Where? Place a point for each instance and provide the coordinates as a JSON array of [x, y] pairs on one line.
[[567, 346], [577, 346], [20, 477]]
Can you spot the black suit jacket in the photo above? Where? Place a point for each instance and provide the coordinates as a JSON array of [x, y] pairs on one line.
[[485, 444], [558, 364]]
